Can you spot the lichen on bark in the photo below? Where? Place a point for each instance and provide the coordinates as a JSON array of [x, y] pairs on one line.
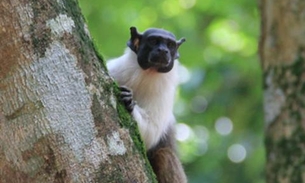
[[282, 55]]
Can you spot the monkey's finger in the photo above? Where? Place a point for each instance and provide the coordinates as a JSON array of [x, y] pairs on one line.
[[129, 99], [130, 106], [126, 94], [128, 103], [125, 89]]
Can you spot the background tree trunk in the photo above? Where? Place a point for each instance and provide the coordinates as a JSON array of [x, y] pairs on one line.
[[282, 52], [58, 110]]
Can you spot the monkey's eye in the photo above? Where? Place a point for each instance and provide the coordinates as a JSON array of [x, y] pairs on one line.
[[171, 45], [152, 41]]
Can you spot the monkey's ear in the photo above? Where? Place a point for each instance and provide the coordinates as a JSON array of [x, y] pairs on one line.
[[179, 42], [134, 40]]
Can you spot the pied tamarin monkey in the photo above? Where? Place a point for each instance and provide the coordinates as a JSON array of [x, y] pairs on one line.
[[148, 75]]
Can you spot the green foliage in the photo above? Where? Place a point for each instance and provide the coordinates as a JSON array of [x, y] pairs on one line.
[[219, 107]]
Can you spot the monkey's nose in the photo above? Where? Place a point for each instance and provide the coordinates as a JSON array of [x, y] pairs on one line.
[[162, 50]]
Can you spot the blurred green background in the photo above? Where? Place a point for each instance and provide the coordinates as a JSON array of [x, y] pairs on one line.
[[219, 105]]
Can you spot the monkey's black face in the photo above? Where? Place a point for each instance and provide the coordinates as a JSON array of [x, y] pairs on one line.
[[155, 48], [158, 52]]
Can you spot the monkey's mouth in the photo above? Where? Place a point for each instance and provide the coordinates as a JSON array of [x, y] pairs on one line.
[[159, 61]]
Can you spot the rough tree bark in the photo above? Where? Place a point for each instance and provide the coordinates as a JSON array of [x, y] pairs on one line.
[[58, 110], [282, 52]]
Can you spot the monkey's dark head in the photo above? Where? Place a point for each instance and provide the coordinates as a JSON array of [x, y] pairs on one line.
[[155, 48]]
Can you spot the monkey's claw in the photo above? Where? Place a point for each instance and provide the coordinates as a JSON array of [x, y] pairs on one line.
[[126, 98]]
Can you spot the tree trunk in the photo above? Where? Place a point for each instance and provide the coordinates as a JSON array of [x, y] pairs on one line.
[[282, 52], [58, 107]]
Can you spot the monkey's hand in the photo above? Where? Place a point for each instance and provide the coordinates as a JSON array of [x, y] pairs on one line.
[[127, 99]]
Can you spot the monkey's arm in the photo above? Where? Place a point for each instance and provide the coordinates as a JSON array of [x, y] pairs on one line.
[[150, 131], [165, 162], [162, 157], [139, 114]]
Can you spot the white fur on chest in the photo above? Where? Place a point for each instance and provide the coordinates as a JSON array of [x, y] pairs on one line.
[[153, 92]]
